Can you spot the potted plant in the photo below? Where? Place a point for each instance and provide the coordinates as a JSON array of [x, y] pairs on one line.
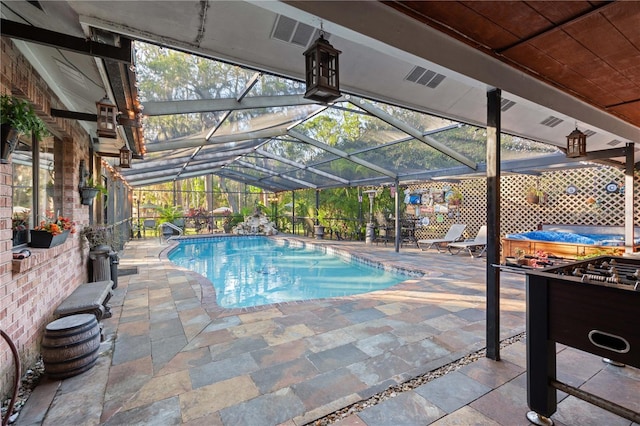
[[17, 118], [20, 227], [454, 197], [533, 195], [52, 232], [103, 243], [99, 237], [89, 190]]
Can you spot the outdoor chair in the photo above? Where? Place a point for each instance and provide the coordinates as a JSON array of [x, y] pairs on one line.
[[453, 234], [149, 224], [479, 243], [385, 235]]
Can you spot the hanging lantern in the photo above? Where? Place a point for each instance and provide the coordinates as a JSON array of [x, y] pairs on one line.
[[576, 144], [322, 71], [125, 157], [107, 115]]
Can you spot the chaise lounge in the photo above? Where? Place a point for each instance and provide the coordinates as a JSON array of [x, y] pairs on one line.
[[453, 234], [479, 243]]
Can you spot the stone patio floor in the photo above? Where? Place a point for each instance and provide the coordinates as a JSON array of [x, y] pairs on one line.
[[172, 356]]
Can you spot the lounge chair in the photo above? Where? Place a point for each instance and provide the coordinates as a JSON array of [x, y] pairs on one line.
[[453, 234], [479, 243]]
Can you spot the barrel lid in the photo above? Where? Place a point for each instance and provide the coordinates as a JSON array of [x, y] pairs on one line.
[[70, 321]]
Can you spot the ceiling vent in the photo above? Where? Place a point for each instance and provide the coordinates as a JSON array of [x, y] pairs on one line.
[[294, 32], [614, 142], [105, 37], [505, 104], [589, 133], [425, 77], [551, 121]]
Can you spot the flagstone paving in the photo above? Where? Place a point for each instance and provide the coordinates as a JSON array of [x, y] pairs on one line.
[[172, 356]]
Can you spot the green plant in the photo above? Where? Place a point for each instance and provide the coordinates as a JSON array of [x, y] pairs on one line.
[[99, 235], [90, 183], [169, 213], [232, 220], [533, 191], [454, 196], [20, 115]]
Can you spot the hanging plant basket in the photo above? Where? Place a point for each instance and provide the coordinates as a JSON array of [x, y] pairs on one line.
[[88, 194], [45, 239]]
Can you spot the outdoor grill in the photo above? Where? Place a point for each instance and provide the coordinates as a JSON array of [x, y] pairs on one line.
[[590, 305]]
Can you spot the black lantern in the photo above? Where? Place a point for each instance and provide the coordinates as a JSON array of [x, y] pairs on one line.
[[107, 118], [125, 157], [9, 142], [576, 144], [322, 71]]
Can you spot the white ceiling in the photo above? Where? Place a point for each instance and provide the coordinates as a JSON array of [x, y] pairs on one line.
[[379, 45]]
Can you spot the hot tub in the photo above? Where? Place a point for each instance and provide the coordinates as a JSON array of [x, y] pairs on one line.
[[569, 241]]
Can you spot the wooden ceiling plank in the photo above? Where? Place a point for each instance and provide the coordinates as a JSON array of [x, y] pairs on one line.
[[558, 12], [511, 15], [559, 26], [564, 76], [457, 19]]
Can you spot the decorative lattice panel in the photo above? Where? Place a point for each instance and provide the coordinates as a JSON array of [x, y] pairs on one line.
[[596, 197]]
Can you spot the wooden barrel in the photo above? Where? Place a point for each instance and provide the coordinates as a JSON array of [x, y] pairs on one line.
[[70, 345]]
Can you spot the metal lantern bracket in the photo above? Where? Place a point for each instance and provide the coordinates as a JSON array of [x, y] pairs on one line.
[[576, 144], [322, 71], [107, 118], [125, 157], [84, 174]]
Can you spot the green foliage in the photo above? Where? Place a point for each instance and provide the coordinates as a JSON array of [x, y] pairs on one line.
[[90, 183], [169, 213], [232, 220], [97, 235], [20, 115]]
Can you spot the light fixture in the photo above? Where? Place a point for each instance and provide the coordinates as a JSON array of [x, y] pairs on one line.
[[9, 142], [372, 194], [125, 157], [576, 144], [107, 118], [322, 71]]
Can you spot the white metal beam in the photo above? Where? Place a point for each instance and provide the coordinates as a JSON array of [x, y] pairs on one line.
[[340, 153], [389, 119]]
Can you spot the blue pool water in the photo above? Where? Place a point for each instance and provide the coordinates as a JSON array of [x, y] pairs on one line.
[[255, 271]]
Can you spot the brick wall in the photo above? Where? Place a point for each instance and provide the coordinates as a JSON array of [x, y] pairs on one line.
[[31, 289]]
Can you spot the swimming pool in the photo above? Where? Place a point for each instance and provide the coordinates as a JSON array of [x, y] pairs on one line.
[[256, 271]]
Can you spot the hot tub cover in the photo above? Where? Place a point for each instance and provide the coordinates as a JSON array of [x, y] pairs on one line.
[[559, 237]]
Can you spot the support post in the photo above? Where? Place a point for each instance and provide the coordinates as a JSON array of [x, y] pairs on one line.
[[493, 223], [360, 215], [629, 191], [293, 211], [396, 225], [317, 206], [139, 235]]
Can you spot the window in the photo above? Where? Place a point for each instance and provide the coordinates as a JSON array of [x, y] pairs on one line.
[[31, 206]]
